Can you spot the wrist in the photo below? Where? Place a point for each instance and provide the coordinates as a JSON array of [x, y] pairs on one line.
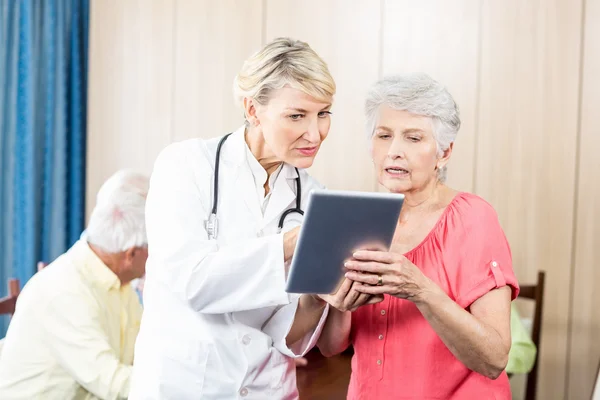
[[431, 294], [313, 302], [289, 244], [318, 300]]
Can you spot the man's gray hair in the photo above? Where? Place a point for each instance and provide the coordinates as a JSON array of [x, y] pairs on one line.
[[118, 222], [417, 94]]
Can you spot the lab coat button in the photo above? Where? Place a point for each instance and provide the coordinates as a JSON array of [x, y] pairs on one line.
[[243, 392], [246, 339]]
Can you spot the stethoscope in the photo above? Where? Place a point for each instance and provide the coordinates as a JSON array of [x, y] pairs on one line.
[[211, 222]]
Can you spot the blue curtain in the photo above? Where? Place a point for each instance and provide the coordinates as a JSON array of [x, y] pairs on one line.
[[43, 85]]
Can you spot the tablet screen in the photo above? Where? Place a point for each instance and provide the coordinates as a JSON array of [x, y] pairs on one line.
[[336, 224]]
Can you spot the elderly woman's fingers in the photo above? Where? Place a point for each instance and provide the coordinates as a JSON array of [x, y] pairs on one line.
[[361, 299], [351, 298], [385, 257], [374, 299], [367, 266], [374, 290], [370, 279], [337, 299], [343, 289], [365, 299]]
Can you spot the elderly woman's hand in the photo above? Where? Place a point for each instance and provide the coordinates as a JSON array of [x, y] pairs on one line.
[[347, 298], [382, 272]]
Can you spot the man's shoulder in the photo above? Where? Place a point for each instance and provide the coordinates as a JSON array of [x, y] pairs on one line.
[[62, 278]]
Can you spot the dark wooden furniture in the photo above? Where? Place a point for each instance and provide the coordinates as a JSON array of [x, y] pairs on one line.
[[535, 293], [8, 303]]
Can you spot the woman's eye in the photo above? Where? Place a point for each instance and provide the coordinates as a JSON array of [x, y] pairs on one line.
[[324, 114], [384, 136], [296, 117], [414, 139]]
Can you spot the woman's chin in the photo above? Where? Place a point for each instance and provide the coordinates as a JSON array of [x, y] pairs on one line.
[[301, 162], [395, 186]]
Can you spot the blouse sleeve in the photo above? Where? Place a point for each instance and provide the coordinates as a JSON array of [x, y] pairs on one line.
[[477, 257]]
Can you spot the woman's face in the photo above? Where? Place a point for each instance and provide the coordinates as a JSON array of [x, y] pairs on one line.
[[294, 125], [404, 151]]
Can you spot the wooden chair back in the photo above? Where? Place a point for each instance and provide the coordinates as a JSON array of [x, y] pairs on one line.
[[8, 303], [535, 293]]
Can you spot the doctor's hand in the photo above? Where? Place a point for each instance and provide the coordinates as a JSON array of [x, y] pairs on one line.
[[347, 298], [290, 239]]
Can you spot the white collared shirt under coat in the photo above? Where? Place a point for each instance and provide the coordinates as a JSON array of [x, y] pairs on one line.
[[216, 313]]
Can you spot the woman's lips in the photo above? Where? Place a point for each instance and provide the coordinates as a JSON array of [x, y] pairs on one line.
[[308, 151]]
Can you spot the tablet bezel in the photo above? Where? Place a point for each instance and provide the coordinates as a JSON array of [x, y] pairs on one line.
[[296, 283]]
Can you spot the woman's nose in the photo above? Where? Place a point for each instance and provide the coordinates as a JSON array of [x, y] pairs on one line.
[[396, 149], [312, 132]]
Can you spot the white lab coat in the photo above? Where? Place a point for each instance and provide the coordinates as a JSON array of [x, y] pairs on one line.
[[215, 311]]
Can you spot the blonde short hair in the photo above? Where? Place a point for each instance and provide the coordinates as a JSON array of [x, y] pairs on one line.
[[284, 61]]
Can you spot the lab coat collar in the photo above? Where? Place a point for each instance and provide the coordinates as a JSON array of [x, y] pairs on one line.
[[234, 149], [284, 189], [283, 196]]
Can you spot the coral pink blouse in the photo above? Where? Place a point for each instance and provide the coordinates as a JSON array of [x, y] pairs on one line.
[[397, 355]]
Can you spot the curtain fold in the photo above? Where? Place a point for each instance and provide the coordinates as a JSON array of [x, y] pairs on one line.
[[43, 81]]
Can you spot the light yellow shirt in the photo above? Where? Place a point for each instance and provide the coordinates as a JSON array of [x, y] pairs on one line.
[[73, 333]]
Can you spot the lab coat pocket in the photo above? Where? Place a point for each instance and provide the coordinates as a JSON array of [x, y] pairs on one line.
[[184, 366]]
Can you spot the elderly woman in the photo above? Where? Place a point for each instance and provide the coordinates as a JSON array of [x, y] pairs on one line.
[[443, 328]]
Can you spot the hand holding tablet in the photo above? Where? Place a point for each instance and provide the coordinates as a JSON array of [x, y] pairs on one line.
[[337, 223]]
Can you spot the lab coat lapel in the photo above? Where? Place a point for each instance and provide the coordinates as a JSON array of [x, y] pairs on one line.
[[244, 181], [247, 190], [283, 196]]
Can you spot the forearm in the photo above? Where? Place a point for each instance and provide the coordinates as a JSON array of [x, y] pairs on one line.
[[70, 320], [307, 317], [99, 372], [289, 244], [215, 279], [335, 337], [478, 346]]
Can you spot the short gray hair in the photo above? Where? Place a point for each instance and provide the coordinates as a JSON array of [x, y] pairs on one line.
[[421, 95], [118, 222]]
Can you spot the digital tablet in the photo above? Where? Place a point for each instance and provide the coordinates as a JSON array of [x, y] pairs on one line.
[[337, 223]]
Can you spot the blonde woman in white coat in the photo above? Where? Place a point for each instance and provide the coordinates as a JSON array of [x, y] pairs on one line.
[[218, 323]]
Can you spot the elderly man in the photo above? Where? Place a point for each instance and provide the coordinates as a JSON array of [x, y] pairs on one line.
[[76, 321]]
